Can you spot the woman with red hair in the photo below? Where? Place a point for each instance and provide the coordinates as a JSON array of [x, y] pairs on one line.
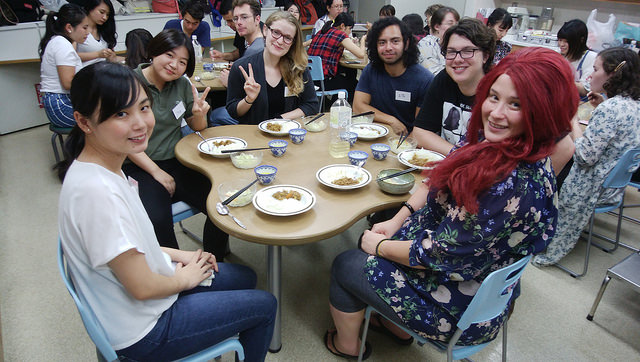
[[489, 203]]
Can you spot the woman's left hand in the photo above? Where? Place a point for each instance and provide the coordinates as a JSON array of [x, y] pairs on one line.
[[200, 106], [370, 240]]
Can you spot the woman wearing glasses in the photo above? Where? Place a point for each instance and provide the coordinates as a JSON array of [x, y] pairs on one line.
[[334, 7], [276, 82], [468, 48]]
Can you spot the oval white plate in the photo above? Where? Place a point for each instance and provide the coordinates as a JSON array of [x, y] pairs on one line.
[[286, 124], [330, 173], [407, 155], [369, 131], [264, 201], [209, 148]]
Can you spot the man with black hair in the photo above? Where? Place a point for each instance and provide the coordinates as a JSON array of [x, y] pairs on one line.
[[393, 84], [192, 24], [226, 9]]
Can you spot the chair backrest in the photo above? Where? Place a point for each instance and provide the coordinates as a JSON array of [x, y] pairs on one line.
[[91, 323], [493, 295], [621, 173], [315, 68]]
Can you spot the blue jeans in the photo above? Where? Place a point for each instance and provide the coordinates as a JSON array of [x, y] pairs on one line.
[[205, 316], [58, 108]]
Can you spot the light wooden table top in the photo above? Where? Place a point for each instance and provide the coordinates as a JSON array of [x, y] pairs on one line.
[[334, 211], [215, 84]]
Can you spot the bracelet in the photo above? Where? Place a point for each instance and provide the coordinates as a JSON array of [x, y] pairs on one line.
[[404, 203], [246, 101], [378, 246]]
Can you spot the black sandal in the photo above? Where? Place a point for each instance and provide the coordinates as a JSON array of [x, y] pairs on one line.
[[365, 355], [380, 328]]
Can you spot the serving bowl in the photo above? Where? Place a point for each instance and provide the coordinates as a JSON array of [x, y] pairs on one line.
[[318, 125], [396, 185], [228, 188], [408, 144], [246, 159], [367, 118]]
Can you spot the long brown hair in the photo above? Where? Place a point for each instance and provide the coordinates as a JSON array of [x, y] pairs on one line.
[[548, 99], [295, 62]]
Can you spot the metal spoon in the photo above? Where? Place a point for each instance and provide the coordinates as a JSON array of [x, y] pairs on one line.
[[204, 139], [224, 210], [198, 79]]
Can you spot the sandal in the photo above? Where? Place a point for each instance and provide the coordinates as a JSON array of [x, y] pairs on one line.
[[332, 334], [380, 328]]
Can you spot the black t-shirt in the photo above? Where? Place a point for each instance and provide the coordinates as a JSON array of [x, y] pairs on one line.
[[445, 110], [276, 99]]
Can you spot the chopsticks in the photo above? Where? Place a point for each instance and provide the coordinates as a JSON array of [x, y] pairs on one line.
[[232, 197], [245, 149], [363, 114], [397, 174], [314, 118], [403, 136]]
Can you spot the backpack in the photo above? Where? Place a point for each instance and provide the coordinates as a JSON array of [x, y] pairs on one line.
[[308, 13], [26, 10], [7, 16]]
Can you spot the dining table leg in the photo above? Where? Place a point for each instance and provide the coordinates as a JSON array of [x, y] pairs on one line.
[[274, 275]]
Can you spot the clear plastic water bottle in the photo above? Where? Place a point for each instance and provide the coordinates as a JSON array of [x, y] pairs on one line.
[[197, 48], [340, 120]]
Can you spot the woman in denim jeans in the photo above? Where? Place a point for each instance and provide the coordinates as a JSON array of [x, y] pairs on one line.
[[60, 61], [154, 303]]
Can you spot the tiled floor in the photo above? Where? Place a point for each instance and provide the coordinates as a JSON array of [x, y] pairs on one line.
[[40, 323]]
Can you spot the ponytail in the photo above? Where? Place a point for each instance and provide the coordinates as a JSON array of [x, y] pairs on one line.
[[71, 150], [56, 22]]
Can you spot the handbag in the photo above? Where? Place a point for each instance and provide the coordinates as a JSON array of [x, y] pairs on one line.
[[7, 16], [600, 34]]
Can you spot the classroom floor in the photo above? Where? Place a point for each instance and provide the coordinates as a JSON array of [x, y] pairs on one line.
[[39, 321]]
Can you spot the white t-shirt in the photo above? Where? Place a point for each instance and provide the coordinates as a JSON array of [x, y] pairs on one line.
[[320, 23], [59, 51], [582, 71], [92, 45], [100, 217]]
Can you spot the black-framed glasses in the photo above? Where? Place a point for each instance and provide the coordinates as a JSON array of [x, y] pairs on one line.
[[451, 54], [277, 34]]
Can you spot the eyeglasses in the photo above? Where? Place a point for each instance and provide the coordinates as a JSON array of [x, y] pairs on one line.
[[242, 17], [294, 11], [337, 6], [277, 34], [451, 54]]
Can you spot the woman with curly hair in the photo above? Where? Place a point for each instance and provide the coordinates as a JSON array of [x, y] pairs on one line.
[[488, 204], [613, 129], [274, 83]]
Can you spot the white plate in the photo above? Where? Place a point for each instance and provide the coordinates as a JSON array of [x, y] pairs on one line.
[[264, 201], [328, 174], [215, 151], [286, 124], [369, 131], [407, 155]]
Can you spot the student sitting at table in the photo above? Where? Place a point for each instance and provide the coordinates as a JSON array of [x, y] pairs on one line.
[[100, 43], [192, 24], [414, 23], [393, 84], [136, 42], [60, 62], [500, 21], [329, 44], [430, 46], [334, 7], [154, 303], [275, 83], [161, 178], [572, 41], [487, 205], [612, 130], [246, 16]]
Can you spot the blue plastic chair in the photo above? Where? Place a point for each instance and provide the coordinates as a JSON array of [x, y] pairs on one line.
[[97, 334], [489, 302], [317, 74], [180, 211], [618, 178]]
